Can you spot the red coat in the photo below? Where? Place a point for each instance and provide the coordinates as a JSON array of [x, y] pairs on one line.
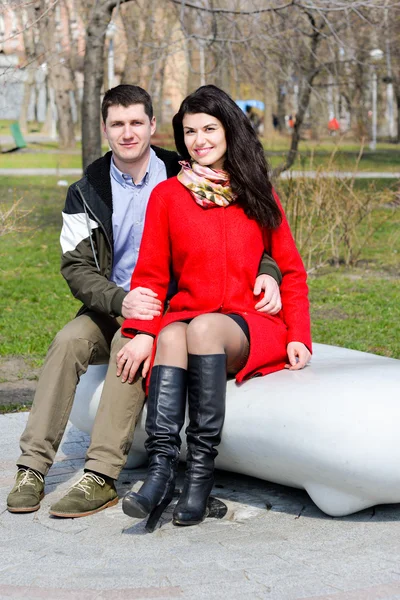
[[215, 254]]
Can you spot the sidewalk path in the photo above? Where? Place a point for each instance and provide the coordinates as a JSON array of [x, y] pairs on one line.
[[285, 175], [273, 544]]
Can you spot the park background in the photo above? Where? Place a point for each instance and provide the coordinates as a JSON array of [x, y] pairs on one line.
[[303, 64]]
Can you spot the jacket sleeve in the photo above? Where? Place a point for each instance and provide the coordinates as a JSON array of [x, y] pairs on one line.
[[269, 267], [79, 264], [153, 266], [294, 290]]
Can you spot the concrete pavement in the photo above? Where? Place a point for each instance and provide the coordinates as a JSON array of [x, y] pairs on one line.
[[273, 543]]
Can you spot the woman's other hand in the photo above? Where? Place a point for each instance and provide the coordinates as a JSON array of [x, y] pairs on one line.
[[132, 355], [270, 303], [298, 354]]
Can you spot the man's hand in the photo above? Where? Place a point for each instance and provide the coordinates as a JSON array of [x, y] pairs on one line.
[[141, 303], [271, 303], [132, 355], [298, 354]]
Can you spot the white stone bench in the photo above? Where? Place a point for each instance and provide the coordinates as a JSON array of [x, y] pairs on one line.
[[332, 429]]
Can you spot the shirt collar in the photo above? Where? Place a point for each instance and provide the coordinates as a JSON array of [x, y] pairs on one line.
[[125, 179]]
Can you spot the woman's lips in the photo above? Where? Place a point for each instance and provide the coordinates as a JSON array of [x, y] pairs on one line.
[[202, 151]]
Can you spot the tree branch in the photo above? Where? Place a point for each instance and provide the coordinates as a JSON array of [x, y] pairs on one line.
[[227, 11], [29, 25]]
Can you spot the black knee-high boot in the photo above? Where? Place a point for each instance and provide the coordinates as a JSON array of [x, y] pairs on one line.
[[165, 417], [206, 396]]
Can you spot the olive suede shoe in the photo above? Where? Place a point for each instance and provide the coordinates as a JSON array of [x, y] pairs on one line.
[[89, 495], [27, 492]]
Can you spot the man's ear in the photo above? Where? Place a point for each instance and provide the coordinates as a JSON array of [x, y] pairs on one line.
[[153, 125]]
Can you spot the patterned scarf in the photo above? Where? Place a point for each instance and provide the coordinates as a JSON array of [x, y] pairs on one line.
[[210, 188]]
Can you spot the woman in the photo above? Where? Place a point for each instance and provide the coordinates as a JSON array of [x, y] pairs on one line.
[[217, 217]]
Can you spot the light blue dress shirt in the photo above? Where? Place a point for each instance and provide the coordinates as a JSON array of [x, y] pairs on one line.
[[129, 210]]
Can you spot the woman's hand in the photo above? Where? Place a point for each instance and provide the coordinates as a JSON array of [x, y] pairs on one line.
[[298, 354], [132, 355]]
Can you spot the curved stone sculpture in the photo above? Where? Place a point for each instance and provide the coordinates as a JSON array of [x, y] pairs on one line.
[[332, 429]]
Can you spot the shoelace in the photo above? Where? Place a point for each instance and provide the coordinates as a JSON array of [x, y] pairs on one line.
[[86, 481], [28, 478]]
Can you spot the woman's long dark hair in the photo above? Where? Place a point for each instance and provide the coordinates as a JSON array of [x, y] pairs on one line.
[[244, 161]]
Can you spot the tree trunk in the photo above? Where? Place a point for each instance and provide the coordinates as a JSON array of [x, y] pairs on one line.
[[28, 85], [160, 104], [140, 34], [396, 89], [30, 51], [268, 95], [58, 73], [311, 72], [93, 72], [281, 106], [60, 82]]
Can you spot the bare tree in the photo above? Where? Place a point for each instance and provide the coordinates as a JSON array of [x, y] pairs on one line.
[[31, 64], [58, 67]]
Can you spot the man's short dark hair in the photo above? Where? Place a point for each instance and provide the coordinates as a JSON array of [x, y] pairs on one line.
[[126, 95]]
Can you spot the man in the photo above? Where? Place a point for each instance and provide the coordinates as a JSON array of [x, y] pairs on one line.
[[102, 228]]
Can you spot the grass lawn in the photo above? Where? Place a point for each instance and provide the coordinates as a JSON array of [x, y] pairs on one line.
[[40, 160], [35, 300], [386, 160], [357, 309]]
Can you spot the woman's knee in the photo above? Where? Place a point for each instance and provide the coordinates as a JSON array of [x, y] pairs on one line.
[[203, 333], [172, 337], [171, 346]]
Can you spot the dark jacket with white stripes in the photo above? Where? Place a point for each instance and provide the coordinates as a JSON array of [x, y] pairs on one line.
[[87, 238]]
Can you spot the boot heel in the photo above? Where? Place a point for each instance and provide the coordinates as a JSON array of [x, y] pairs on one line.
[[155, 515], [135, 506]]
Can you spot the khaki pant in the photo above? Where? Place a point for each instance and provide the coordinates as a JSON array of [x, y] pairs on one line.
[[88, 339]]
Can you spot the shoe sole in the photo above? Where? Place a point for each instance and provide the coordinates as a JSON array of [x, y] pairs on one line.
[[83, 514], [179, 523], [133, 508], [186, 523], [26, 509]]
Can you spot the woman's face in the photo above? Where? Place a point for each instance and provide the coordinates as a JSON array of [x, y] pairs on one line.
[[205, 140]]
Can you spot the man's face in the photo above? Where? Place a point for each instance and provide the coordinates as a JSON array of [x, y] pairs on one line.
[[128, 131]]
